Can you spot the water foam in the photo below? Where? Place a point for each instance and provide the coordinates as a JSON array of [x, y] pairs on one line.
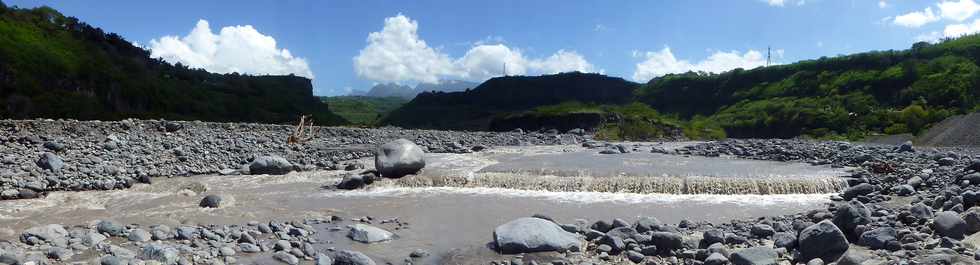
[[626, 184], [591, 197]]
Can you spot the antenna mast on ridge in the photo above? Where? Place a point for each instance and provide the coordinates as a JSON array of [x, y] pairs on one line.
[[768, 55], [505, 68]]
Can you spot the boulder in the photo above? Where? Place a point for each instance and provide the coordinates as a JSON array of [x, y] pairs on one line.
[[858, 190], [530, 234], [110, 228], [755, 256], [921, 211], [647, 223], [351, 182], [46, 233], [762, 230], [159, 252], [822, 240], [50, 161], [972, 218], [398, 158], [666, 240], [350, 257], [713, 236], [369, 234], [950, 224], [716, 259], [784, 240], [210, 201], [270, 165], [878, 238], [851, 215]]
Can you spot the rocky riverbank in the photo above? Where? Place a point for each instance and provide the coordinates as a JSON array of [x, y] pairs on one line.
[[39, 156]]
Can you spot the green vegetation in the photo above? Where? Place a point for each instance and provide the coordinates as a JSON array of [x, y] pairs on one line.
[[846, 97], [360, 110], [53, 66], [635, 121]]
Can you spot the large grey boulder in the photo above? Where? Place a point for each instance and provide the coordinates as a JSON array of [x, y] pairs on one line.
[[350, 257], [755, 256], [270, 165], [369, 234], [851, 215], [398, 158], [159, 252], [858, 190], [529, 234], [879, 238], [50, 161], [47, 233], [822, 240], [950, 224]]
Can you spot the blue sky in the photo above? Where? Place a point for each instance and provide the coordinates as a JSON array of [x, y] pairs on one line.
[[427, 41]]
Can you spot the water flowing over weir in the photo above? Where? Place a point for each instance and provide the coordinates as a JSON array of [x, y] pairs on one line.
[[627, 184]]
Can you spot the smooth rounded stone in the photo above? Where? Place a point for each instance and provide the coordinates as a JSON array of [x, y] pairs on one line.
[[285, 258], [210, 201], [398, 158], [622, 232], [858, 190], [139, 235], [46, 233], [851, 215], [784, 240], [634, 256], [161, 232], [972, 218], [822, 240], [92, 238], [159, 252], [187, 233], [528, 234], [904, 190], [647, 223], [50, 161], [601, 226], [618, 222], [110, 227], [716, 259], [915, 182], [949, 224], [878, 238], [713, 236], [418, 253], [249, 248], [816, 261], [762, 230], [58, 253], [921, 211], [905, 147], [270, 165], [604, 248], [369, 234], [350, 257], [666, 240], [351, 182], [323, 259], [226, 251], [755, 256]]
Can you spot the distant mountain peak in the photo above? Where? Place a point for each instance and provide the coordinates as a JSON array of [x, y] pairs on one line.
[[407, 92]]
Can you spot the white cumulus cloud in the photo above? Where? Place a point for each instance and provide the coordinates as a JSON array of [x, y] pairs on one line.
[[957, 30], [916, 19], [239, 49], [776, 2], [398, 54], [664, 62], [958, 10]]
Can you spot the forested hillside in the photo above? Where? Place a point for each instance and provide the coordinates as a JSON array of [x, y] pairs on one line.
[[850, 96], [845, 97], [473, 109], [55, 66]]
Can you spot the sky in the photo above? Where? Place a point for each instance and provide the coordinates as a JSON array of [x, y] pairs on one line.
[[352, 45]]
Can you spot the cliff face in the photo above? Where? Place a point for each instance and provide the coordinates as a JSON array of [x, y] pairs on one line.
[[53, 66]]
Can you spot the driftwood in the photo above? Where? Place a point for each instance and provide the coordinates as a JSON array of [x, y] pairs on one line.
[[304, 131]]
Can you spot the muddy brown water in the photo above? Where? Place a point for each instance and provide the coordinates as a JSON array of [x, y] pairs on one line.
[[440, 219]]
